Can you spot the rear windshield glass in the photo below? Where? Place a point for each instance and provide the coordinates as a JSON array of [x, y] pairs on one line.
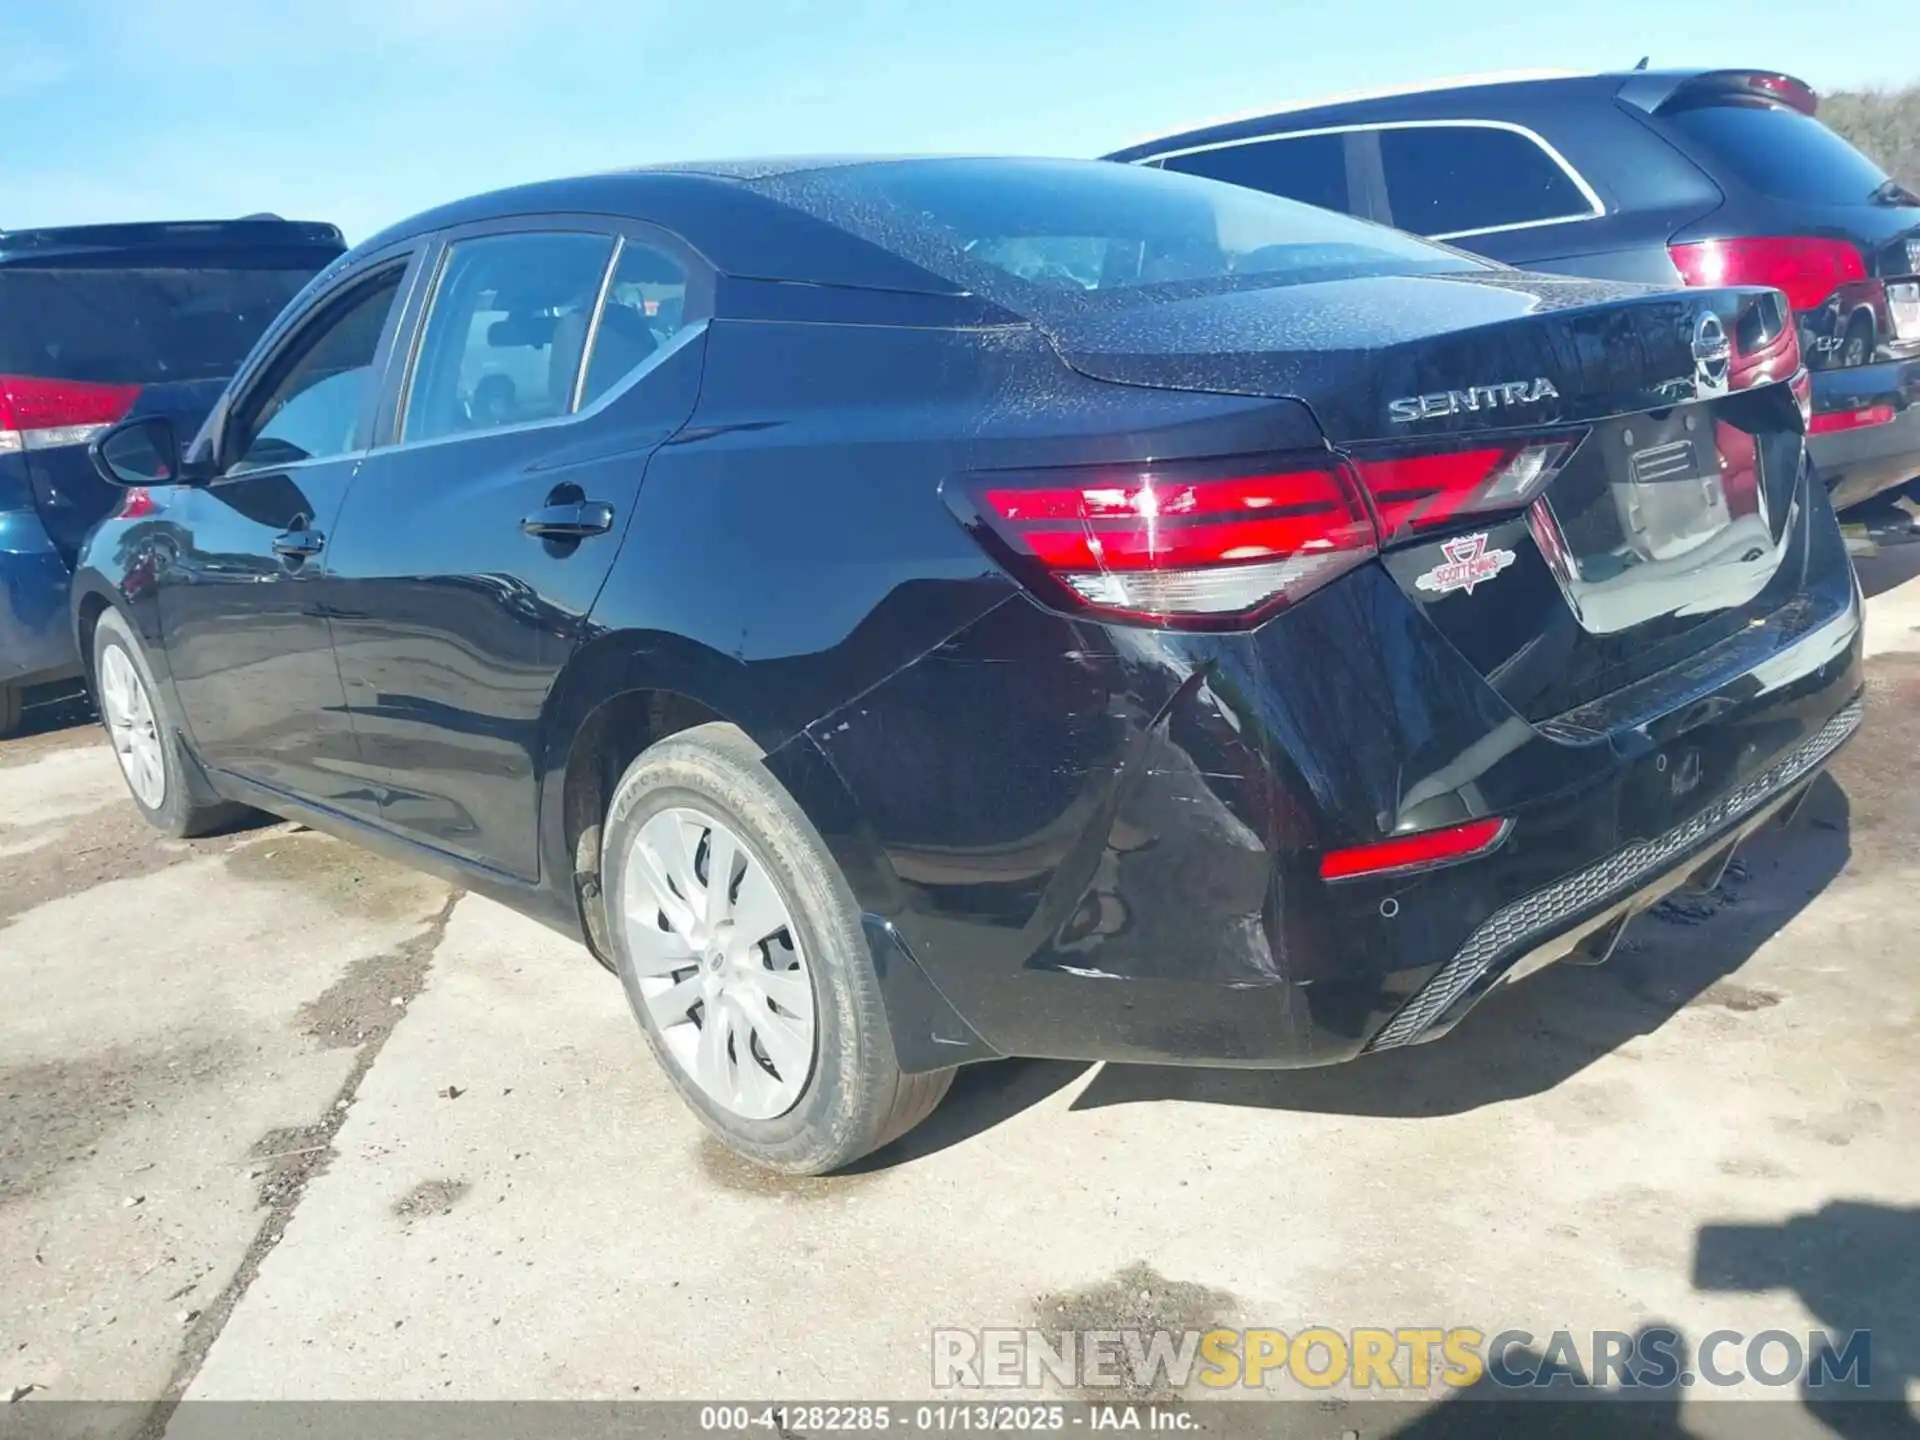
[[137, 326], [1031, 232], [1780, 152]]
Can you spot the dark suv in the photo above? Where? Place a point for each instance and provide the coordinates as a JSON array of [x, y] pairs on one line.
[[1717, 177], [97, 323]]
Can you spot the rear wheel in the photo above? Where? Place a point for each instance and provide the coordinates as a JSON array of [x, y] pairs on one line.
[[161, 777], [743, 957], [1857, 347], [11, 709]]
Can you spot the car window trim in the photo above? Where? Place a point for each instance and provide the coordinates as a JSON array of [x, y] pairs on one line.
[[319, 309], [593, 327], [686, 336], [1597, 207], [1367, 177], [389, 426]]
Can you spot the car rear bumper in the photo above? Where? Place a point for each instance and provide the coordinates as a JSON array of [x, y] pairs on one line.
[[36, 639], [1859, 464], [1103, 843], [1584, 914]]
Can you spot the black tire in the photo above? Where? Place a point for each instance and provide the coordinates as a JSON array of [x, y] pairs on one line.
[[856, 1099], [11, 709], [189, 806]]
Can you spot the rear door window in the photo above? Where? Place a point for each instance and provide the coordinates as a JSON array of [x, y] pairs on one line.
[[138, 326], [1447, 180], [1779, 152], [506, 333], [1312, 168]]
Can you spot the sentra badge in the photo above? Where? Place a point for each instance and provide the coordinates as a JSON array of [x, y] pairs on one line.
[[1473, 398]]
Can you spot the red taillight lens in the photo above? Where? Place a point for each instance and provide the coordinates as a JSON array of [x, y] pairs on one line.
[[1416, 492], [1185, 543], [1787, 90], [1808, 270], [1860, 418], [1216, 543], [1414, 852], [39, 414]]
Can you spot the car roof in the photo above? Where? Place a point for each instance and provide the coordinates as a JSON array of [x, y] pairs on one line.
[[717, 207], [1454, 96], [96, 243]]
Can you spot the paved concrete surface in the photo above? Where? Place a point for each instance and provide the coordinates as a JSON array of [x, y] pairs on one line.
[[231, 1166]]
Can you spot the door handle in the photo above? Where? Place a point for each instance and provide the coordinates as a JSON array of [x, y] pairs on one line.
[[299, 543], [576, 520]]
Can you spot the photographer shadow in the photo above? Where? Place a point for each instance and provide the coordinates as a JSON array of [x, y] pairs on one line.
[[1855, 1266], [1530, 1037], [1565, 1408]]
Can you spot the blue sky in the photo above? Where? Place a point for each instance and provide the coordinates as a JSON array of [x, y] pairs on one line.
[[364, 111]]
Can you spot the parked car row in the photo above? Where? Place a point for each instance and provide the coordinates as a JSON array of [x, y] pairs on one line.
[[98, 323], [1675, 177], [902, 613], [1717, 177]]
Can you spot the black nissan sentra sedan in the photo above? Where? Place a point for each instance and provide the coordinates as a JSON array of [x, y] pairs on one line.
[[902, 613]]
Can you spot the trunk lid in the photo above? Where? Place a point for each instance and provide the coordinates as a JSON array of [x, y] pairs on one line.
[[1665, 526]]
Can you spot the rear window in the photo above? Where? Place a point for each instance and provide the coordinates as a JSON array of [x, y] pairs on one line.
[[1031, 233], [1779, 152], [137, 326], [1311, 169]]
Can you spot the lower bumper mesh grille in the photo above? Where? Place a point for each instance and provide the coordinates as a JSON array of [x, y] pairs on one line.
[[1516, 927]]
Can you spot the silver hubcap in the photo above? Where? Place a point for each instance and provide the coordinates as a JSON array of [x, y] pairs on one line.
[[136, 735], [719, 963]]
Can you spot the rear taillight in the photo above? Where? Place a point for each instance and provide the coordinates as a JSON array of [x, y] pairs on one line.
[[1423, 851], [1415, 492], [1219, 543], [1861, 417], [1194, 543], [1788, 91], [38, 414], [1807, 269]]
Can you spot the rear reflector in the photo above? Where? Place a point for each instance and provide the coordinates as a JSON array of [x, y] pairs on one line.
[[1415, 852], [1414, 492], [38, 414], [1808, 270], [1858, 419], [1202, 544]]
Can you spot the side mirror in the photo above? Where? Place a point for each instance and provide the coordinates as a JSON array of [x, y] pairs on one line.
[[142, 451]]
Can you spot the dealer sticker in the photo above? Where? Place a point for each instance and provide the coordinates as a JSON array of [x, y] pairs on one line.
[[1469, 563]]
